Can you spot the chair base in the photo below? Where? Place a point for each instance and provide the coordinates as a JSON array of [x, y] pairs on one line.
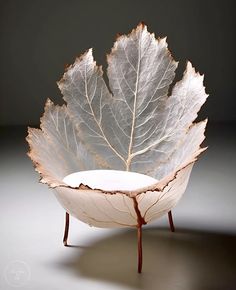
[[139, 236]]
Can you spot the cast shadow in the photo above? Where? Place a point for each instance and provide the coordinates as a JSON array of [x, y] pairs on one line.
[[186, 260]]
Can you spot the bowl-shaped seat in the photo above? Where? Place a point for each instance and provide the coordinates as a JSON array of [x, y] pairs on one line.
[[119, 198]]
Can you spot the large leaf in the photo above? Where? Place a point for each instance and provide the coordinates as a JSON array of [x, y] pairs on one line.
[[134, 125]]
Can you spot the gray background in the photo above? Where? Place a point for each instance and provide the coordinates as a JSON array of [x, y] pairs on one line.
[[38, 38]]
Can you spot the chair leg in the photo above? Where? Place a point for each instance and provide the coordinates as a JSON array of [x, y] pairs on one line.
[[140, 252], [67, 221], [171, 223]]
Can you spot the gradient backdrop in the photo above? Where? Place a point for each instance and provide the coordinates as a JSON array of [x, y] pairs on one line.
[[38, 39]]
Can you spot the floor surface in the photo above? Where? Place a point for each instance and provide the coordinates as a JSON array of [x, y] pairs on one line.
[[200, 255]]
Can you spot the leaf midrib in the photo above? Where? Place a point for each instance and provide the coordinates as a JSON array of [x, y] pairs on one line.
[[129, 158]]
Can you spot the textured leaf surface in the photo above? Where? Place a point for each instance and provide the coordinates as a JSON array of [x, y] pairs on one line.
[[96, 209], [56, 149], [137, 127]]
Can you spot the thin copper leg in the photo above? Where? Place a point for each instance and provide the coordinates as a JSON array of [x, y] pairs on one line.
[[66, 229], [140, 252], [172, 227]]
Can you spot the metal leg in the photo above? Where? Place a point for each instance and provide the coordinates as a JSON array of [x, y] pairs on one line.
[[140, 252], [67, 221], [171, 223]]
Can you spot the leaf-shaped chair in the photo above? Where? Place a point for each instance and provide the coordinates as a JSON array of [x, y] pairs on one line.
[[121, 156]]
